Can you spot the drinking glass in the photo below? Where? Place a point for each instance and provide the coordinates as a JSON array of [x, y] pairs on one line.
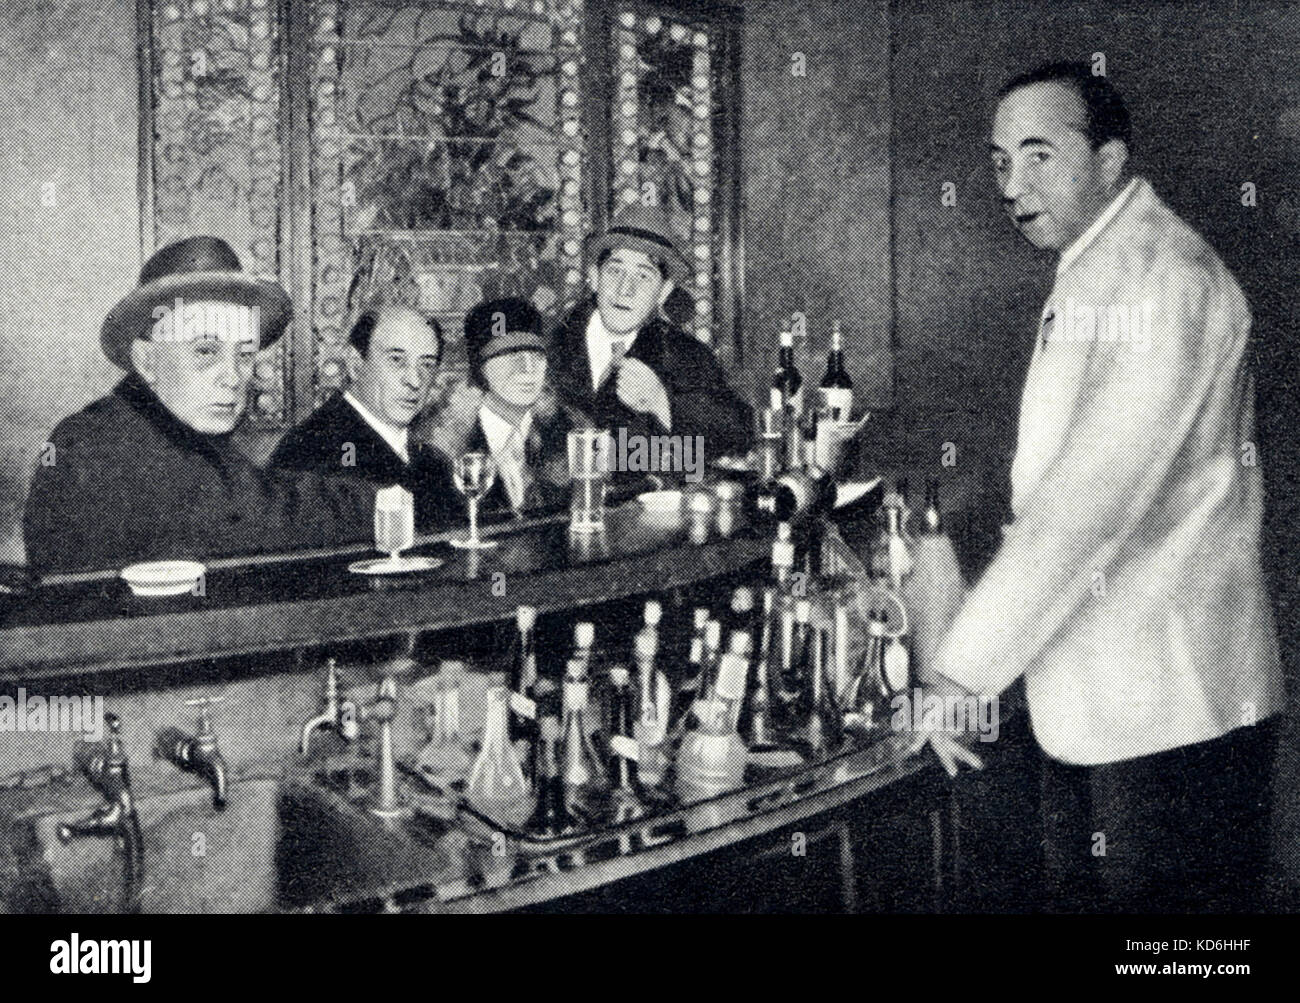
[[474, 474], [394, 522], [590, 454]]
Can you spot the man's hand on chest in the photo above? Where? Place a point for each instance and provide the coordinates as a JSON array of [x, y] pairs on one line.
[[640, 389]]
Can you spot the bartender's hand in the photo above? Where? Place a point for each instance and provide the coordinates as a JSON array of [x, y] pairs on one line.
[[947, 744], [641, 389]]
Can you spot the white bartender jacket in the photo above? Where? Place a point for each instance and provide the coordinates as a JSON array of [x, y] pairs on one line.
[[1128, 589]]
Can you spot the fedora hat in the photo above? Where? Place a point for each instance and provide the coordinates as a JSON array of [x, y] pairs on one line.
[[646, 229], [197, 269]]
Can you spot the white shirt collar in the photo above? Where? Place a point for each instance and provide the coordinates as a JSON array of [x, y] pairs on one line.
[[599, 350], [396, 438], [506, 444], [498, 430], [1071, 253]]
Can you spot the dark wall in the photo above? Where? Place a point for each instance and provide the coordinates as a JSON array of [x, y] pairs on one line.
[[817, 182]]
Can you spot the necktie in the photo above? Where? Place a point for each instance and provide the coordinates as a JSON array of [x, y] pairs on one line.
[[617, 349]]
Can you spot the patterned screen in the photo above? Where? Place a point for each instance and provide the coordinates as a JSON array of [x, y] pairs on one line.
[[447, 162], [663, 122], [216, 165]]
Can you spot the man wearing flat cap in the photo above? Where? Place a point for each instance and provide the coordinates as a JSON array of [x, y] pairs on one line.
[[364, 431], [150, 471], [516, 417], [621, 363]]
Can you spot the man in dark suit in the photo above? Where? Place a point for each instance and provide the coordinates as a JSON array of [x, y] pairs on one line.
[[150, 471], [364, 431], [618, 361]]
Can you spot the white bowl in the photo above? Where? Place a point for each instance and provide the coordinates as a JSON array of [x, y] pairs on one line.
[[163, 578], [661, 501]]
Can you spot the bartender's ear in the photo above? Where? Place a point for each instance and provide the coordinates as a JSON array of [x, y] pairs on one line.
[[1113, 155], [142, 360]]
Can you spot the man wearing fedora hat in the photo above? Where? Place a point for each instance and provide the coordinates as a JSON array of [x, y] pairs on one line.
[[625, 366], [150, 471], [364, 431]]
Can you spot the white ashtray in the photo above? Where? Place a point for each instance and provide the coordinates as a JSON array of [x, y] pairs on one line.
[[664, 502], [163, 578]]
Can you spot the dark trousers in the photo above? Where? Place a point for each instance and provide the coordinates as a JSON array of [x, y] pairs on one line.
[[1182, 831]]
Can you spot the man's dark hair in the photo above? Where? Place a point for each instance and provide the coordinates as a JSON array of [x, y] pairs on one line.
[[364, 328], [1106, 115], [660, 263]]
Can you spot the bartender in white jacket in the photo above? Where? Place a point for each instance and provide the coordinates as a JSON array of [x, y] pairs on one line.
[[1128, 591]]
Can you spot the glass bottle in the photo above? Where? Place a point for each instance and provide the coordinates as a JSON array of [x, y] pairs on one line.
[[836, 387], [653, 703], [584, 636], [867, 702], [627, 795], [822, 730], [712, 653], [891, 554], [935, 591], [551, 817], [497, 786], [585, 783], [795, 664], [522, 680], [756, 725]]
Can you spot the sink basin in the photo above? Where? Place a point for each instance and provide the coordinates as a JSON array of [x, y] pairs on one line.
[[197, 860], [334, 849]]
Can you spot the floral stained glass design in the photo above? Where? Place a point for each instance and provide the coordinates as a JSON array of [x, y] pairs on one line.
[[447, 151]]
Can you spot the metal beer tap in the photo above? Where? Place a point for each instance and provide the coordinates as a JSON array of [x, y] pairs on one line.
[[198, 754], [105, 766], [341, 715]]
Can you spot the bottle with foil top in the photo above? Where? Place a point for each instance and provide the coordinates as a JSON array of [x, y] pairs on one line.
[[653, 703], [551, 817], [891, 554], [627, 796], [712, 757], [585, 783], [497, 786], [836, 387], [522, 681], [787, 384]]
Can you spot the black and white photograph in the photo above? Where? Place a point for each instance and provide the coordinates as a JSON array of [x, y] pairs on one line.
[[644, 457]]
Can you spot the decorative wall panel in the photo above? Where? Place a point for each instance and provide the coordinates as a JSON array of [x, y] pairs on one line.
[[447, 155], [215, 164]]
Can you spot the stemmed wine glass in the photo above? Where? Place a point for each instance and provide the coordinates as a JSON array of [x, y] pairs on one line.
[[474, 473]]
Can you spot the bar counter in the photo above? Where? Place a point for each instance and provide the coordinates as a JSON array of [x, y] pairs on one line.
[[295, 837], [87, 622]]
